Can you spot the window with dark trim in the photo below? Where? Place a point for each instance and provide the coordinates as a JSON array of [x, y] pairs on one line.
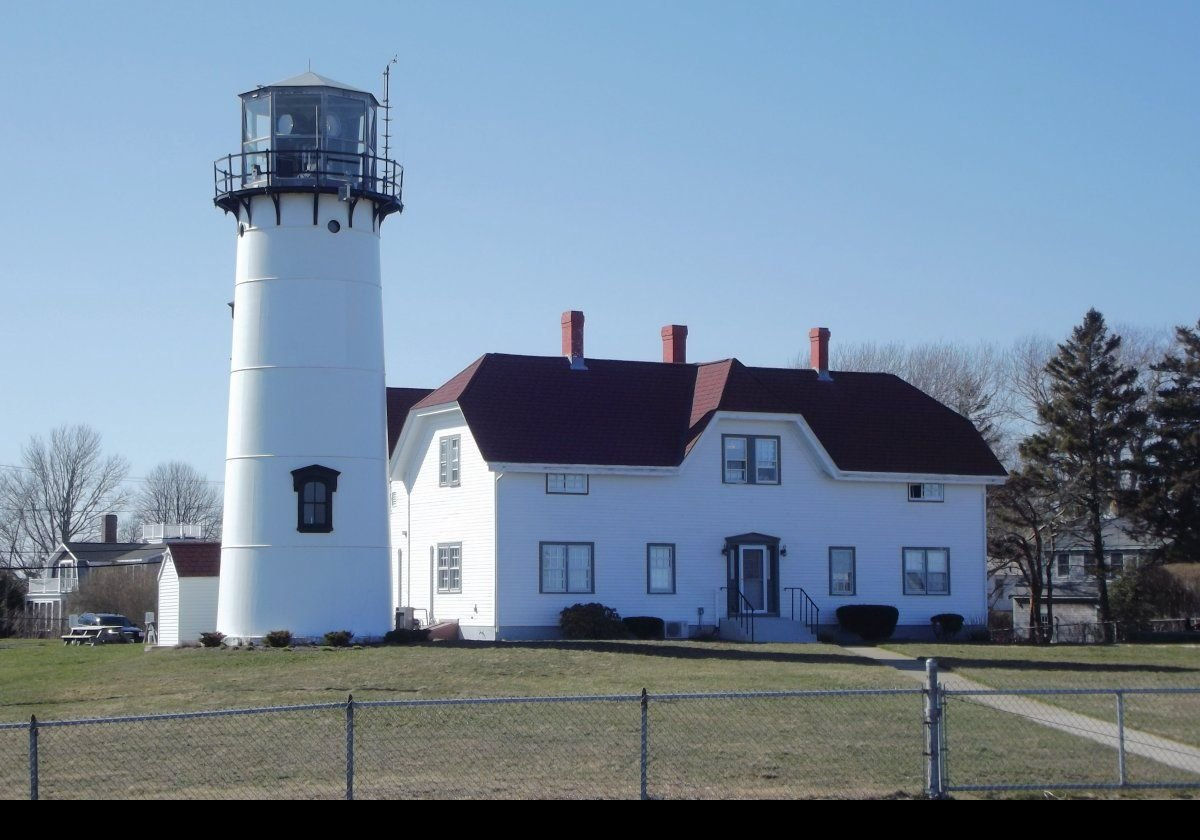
[[926, 571], [750, 459], [660, 568], [314, 486], [841, 570], [1063, 561], [566, 567], [570, 484], [449, 567], [926, 492], [448, 461]]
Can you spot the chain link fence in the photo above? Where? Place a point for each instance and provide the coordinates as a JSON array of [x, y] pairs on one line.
[[788, 744]]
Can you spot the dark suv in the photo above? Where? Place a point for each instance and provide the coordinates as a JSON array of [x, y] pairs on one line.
[[117, 628]]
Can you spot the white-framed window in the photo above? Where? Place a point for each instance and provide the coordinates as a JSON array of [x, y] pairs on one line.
[[1063, 564], [567, 483], [449, 567], [448, 461], [750, 459], [766, 460], [841, 570], [566, 567], [1116, 564], [660, 568], [926, 492], [926, 571]]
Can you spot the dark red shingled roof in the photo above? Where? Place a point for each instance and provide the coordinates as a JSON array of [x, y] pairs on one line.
[[399, 401], [535, 409], [196, 559]]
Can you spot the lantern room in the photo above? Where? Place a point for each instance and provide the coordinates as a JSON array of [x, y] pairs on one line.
[[308, 133]]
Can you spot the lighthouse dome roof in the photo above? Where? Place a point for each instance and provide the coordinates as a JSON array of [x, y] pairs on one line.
[[311, 79]]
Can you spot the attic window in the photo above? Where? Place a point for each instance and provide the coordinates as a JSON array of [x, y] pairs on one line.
[[567, 483], [925, 492], [314, 486]]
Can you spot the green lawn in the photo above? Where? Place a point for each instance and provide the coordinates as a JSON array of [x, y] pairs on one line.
[[56, 682], [864, 746]]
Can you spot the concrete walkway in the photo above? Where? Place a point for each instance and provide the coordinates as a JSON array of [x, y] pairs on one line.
[[1165, 751]]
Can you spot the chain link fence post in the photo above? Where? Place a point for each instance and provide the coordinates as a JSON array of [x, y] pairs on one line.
[[933, 723], [1122, 777], [645, 759], [33, 757], [350, 746]]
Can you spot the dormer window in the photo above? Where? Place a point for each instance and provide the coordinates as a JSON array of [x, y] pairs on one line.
[[449, 465], [750, 459], [314, 486]]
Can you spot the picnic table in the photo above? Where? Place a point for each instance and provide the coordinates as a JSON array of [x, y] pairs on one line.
[[91, 636]]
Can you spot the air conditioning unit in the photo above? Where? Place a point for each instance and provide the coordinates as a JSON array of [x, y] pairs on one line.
[[406, 619], [675, 629]]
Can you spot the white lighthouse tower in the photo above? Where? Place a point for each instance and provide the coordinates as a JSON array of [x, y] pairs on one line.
[[305, 543]]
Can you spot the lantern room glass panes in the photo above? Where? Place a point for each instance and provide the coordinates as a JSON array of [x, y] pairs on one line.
[[307, 135]]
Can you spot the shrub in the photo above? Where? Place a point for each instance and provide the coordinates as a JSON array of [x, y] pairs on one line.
[[212, 639], [405, 636], [338, 638], [591, 621], [946, 625], [278, 638], [645, 627], [872, 622]]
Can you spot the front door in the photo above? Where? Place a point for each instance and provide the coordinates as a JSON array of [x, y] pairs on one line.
[[755, 577]]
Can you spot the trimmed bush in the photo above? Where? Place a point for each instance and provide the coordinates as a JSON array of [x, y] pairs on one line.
[[278, 638], [212, 640], [405, 636], [872, 622], [645, 627], [338, 638], [946, 625], [591, 621]]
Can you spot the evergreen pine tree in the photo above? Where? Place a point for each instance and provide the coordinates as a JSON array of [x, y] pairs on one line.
[[1087, 430], [1167, 503]]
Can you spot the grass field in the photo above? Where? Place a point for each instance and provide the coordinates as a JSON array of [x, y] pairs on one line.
[[724, 747]]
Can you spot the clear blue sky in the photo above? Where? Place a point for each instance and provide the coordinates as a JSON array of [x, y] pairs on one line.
[[891, 170]]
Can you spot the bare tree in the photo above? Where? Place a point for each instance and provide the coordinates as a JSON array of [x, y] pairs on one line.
[[175, 493], [131, 591], [64, 484]]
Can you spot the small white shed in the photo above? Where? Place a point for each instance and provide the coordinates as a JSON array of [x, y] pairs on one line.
[[187, 592]]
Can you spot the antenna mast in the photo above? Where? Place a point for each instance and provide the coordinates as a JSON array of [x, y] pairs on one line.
[[387, 108]]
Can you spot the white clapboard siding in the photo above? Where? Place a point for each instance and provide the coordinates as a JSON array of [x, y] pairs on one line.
[[809, 512], [198, 607], [433, 515], [168, 604]]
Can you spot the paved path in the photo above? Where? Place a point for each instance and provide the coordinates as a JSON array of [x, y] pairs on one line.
[[1174, 754]]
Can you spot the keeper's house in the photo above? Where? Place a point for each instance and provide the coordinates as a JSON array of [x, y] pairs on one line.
[[698, 493]]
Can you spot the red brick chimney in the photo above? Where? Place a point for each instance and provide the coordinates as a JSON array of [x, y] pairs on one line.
[[572, 338], [818, 338], [674, 338], [108, 528]]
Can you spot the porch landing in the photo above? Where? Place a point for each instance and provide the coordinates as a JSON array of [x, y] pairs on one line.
[[766, 629]]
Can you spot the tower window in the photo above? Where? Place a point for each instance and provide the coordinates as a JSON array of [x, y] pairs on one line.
[[314, 486]]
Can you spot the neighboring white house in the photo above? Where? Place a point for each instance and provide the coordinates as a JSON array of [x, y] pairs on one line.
[[188, 582], [690, 492], [50, 588]]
